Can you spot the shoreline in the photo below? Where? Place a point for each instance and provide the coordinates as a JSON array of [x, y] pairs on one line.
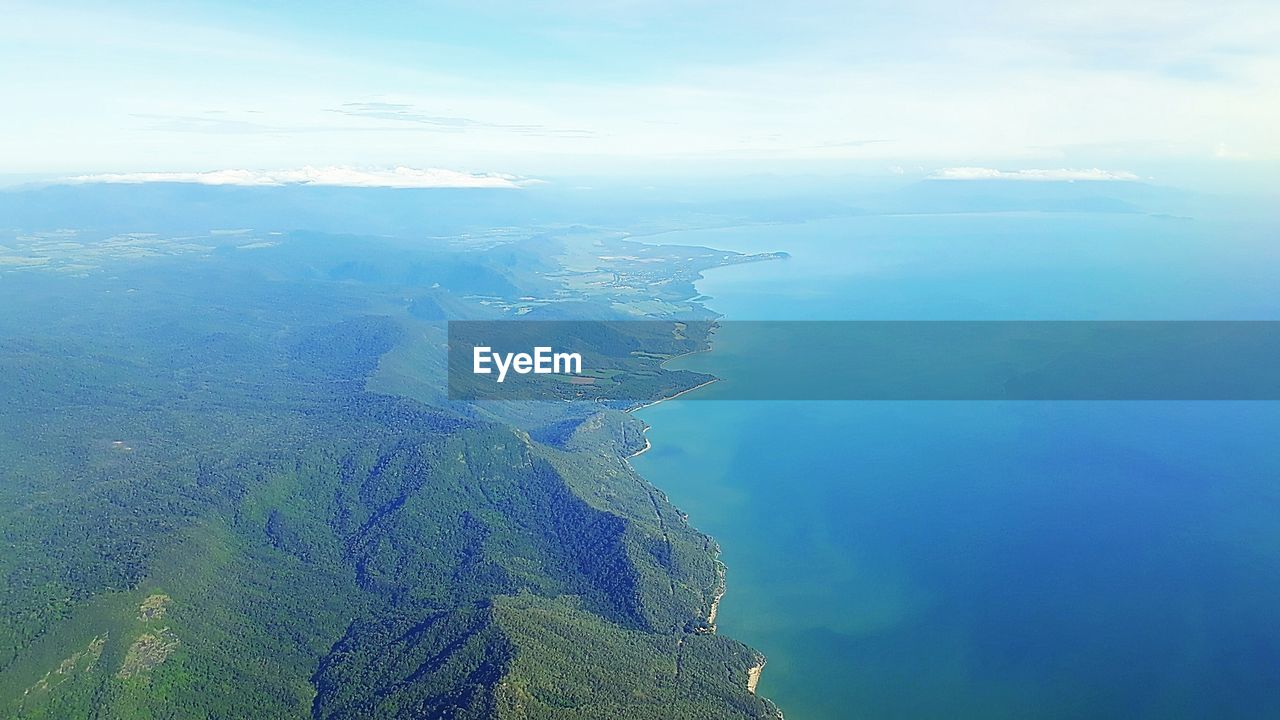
[[721, 585], [721, 568], [651, 403], [643, 450], [753, 674], [755, 671]]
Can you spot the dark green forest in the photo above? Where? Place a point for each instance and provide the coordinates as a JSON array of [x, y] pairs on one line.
[[232, 485]]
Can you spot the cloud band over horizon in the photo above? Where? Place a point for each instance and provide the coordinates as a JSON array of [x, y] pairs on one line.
[[1034, 175], [399, 177], [1172, 90]]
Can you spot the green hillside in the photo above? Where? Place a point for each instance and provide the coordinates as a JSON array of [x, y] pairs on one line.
[[232, 487]]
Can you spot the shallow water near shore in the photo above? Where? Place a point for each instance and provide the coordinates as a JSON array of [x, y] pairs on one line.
[[990, 559]]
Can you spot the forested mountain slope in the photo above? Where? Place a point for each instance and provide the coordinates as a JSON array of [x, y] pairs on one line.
[[231, 486]]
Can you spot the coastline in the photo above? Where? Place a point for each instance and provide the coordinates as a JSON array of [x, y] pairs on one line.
[[753, 674], [673, 397], [756, 670], [647, 446], [721, 569]]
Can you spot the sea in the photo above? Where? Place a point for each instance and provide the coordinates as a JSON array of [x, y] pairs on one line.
[[989, 559]]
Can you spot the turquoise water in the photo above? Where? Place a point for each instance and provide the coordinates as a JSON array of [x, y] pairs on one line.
[[986, 559]]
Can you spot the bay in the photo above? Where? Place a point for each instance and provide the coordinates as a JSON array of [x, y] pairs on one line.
[[990, 559]]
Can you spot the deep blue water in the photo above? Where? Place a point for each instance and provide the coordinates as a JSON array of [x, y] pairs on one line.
[[989, 559]]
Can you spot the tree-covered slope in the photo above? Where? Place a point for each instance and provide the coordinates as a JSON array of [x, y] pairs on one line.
[[231, 487], [526, 656]]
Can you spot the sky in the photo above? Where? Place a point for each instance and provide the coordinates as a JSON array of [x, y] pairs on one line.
[[1169, 90]]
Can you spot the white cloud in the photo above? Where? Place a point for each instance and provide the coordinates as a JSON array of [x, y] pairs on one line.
[[1226, 152], [1059, 175], [400, 177], [1093, 83]]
